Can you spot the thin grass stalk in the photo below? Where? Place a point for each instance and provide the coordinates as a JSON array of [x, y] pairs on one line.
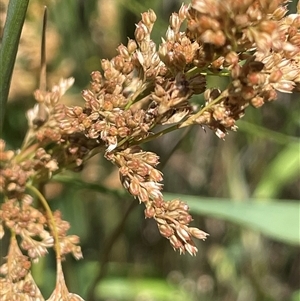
[[10, 41]]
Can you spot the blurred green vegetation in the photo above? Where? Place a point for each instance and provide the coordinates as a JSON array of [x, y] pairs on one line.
[[243, 191]]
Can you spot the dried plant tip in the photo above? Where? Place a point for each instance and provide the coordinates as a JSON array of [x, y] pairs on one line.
[[165, 230], [123, 51], [183, 11], [131, 46], [232, 58], [257, 101], [96, 76], [279, 12], [149, 212], [176, 243], [182, 232], [152, 16], [141, 32], [191, 248], [175, 22], [199, 234], [275, 76]]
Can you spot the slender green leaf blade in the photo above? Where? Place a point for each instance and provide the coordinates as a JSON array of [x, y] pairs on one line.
[[277, 219], [150, 289], [284, 168], [11, 35]]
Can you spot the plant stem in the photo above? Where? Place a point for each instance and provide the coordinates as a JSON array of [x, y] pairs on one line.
[[50, 218], [106, 253], [158, 134], [191, 120], [11, 36]]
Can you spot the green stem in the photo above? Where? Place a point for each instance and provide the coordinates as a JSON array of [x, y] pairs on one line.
[[11, 36], [133, 98], [189, 121], [50, 218], [104, 259], [158, 134], [192, 118]]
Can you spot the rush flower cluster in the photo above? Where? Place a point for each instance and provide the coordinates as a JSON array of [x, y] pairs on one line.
[[144, 87]]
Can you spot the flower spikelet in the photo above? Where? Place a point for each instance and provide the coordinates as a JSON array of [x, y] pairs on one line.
[[140, 177], [61, 291], [16, 282], [173, 222], [68, 243], [236, 25], [44, 119], [17, 169], [29, 223], [226, 32], [142, 93]]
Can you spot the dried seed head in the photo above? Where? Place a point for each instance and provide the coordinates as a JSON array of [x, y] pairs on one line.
[[232, 58], [183, 11], [152, 15], [149, 211], [199, 234], [257, 101], [175, 22], [191, 248], [182, 232], [175, 242], [141, 32], [165, 230]]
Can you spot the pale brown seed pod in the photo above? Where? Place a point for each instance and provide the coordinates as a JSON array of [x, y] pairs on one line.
[[191, 248], [175, 242], [198, 233], [165, 230]]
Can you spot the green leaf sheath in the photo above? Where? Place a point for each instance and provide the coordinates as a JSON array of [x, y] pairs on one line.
[[10, 41]]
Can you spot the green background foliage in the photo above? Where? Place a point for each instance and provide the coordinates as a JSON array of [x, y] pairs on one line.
[[244, 191]]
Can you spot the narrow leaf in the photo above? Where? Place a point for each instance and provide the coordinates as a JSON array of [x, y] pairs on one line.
[[277, 219], [284, 168], [11, 35]]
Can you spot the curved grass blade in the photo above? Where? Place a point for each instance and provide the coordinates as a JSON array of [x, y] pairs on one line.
[[278, 219]]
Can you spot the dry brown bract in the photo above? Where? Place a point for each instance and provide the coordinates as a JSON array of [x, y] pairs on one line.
[[142, 87]]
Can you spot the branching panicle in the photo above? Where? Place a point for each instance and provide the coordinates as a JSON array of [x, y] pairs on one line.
[[254, 43]]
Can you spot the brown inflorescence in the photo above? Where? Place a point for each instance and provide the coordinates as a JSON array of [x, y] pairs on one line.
[[255, 44], [142, 93], [140, 177], [17, 282], [252, 42]]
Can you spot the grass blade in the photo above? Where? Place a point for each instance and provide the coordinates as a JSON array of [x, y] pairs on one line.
[[10, 41]]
